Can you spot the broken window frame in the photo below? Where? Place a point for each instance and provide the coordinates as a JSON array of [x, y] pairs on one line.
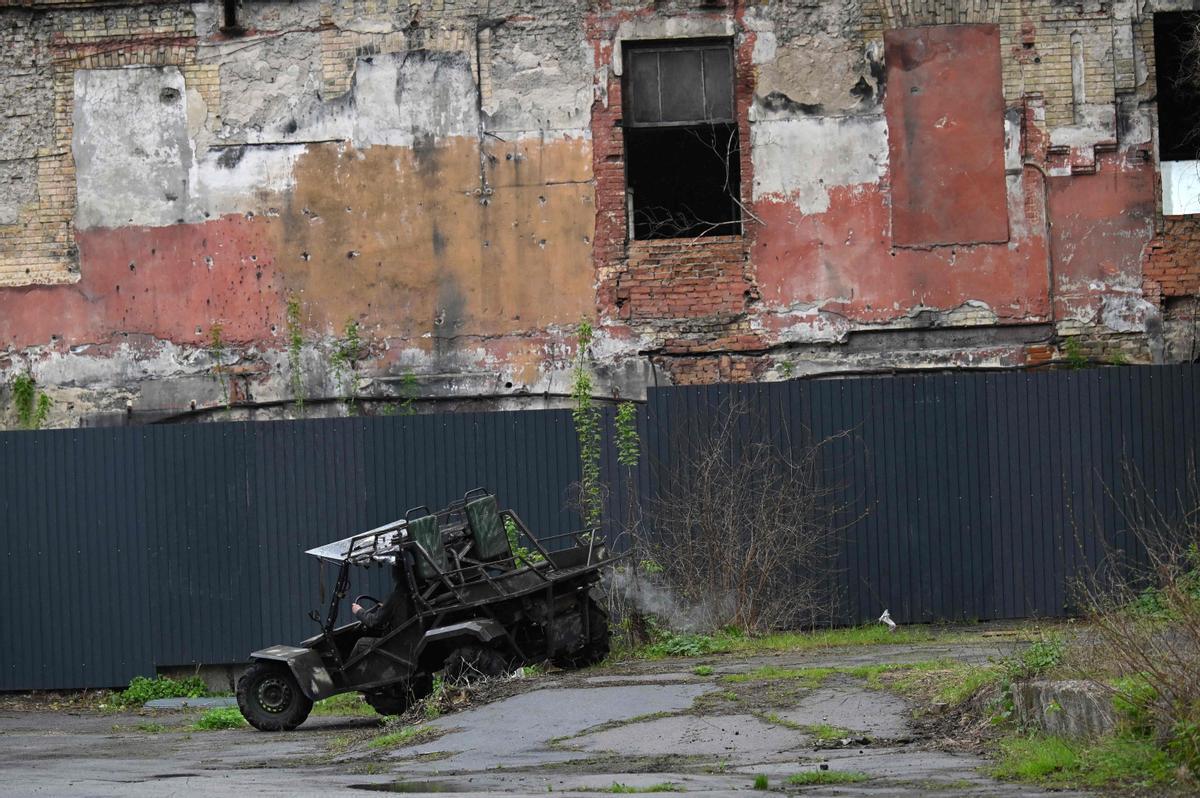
[[711, 121], [1172, 28]]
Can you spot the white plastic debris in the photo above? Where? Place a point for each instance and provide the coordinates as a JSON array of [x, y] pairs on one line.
[[887, 618]]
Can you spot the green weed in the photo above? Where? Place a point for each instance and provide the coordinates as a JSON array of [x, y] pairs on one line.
[[220, 718], [142, 689], [703, 670], [824, 733], [761, 782], [409, 735], [343, 704]]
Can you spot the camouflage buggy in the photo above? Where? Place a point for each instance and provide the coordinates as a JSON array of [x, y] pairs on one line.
[[463, 603]]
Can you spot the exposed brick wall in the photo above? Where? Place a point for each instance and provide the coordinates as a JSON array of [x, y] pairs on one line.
[[1172, 265], [689, 295], [40, 247], [683, 279]]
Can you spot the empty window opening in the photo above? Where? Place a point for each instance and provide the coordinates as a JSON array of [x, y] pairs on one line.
[[682, 154], [1177, 68], [229, 16]]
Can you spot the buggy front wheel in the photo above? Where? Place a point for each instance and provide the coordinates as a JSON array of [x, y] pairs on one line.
[[270, 698]]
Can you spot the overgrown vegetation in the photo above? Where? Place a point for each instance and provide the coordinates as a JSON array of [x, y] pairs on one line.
[[220, 718], [1146, 622], [31, 405], [142, 689], [586, 416], [1123, 759], [522, 555], [347, 351], [743, 527], [295, 350]]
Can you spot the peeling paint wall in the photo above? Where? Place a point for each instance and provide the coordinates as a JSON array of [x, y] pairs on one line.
[[449, 176]]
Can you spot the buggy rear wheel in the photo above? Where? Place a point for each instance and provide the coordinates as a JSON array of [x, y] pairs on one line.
[[396, 699], [596, 648], [270, 698]]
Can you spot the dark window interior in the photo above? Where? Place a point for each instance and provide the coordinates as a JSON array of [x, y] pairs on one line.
[[229, 17], [681, 139], [1178, 77]]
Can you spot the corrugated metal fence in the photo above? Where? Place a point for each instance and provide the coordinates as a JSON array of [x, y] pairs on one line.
[[133, 547], [979, 496], [967, 496]]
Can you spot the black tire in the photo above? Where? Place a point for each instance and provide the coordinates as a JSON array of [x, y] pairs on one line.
[[396, 699], [472, 663], [597, 646], [270, 699]]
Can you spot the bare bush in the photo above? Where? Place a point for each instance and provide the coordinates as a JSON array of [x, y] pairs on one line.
[[1146, 617], [742, 532]]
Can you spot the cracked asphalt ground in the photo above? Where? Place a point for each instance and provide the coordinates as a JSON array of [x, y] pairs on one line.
[[638, 724]]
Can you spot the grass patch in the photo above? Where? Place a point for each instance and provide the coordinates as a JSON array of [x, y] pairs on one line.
[[662, 786], [220, 718], [771, 717], [151, 728], [669, 644], [811, 777], [825, 733], [808, 677], [703, 670], [343, 704], [409, 735], [761, 782], [1123, 760]]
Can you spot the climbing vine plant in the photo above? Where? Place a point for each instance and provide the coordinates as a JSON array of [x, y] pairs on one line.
[[587, 429], [295, 340], [32, 406], [347, 351]]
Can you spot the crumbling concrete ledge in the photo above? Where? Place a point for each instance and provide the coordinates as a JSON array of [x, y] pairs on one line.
[[1068, 708]]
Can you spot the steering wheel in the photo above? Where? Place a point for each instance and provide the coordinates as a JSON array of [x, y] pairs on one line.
[[372, 599]]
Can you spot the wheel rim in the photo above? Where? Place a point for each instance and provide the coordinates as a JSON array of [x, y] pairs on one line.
[[274, 694]]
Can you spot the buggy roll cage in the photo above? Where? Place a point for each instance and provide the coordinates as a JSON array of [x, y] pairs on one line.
[[445, 589]]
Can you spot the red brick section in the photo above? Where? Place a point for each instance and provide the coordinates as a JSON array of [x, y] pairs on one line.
[[1172, 265], [692, 294], [683, 279]]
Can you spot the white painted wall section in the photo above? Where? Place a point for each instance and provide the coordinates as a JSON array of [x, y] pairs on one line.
[[799, 159], [1180, 187]]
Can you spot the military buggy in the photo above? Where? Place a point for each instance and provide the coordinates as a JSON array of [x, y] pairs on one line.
[[463, 603]]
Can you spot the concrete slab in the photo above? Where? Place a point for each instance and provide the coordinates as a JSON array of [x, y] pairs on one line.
[[872, 713], [517, 731], [730, 737], [192, 703]]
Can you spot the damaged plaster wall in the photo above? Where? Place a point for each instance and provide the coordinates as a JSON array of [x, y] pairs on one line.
[[450, 178]]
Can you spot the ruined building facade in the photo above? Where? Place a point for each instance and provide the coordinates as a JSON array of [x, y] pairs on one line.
[[232, 204]]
